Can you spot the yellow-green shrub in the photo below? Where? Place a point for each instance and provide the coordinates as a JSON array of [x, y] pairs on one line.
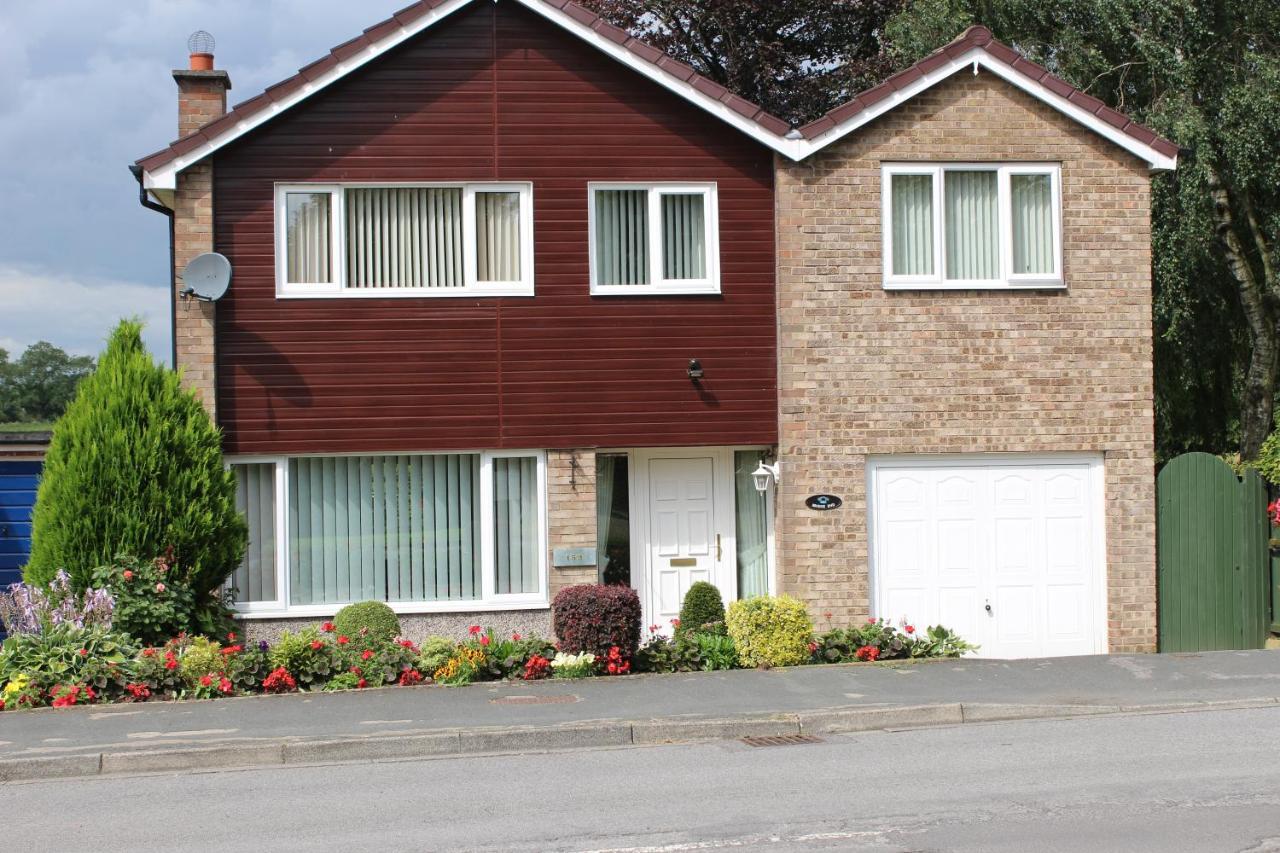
[[769, 631], [202, 657]]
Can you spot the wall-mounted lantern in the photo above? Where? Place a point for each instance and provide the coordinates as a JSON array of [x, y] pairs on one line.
[[764, 475], [695, 370]]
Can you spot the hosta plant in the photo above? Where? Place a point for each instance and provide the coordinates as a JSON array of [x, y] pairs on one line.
[[29, 608]]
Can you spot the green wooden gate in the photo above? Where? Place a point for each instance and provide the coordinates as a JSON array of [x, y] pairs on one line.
[[1214, 562]]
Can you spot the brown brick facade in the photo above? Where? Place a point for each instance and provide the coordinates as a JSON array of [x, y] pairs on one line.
[[863, 371], [571, 512]]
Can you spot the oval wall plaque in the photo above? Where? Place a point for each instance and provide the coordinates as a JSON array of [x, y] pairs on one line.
[[822, 502]]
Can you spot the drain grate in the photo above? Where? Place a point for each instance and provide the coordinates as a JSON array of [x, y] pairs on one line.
[[535, 700], [781, 740]]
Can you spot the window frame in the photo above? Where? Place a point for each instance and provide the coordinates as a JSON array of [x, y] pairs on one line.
[[488, 601], [338, 243], [708, 285], [1007, 280]]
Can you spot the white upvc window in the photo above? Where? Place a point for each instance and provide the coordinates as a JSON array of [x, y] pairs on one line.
[[972, 226], [415, 240], [653, 238], [424, 532]]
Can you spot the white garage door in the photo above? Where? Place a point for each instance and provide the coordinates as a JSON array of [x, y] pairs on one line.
[[1007, 551]]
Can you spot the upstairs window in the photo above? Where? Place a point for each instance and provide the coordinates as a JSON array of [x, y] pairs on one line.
[[972, 226], [659, 238], [421, 240]]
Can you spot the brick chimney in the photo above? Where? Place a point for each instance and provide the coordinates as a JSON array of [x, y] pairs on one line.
[[202, 97], [202, 90]]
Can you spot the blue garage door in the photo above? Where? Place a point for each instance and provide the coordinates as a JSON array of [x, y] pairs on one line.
[[17, 497]]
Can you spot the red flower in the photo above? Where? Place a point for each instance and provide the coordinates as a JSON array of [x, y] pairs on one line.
[[536, 667], [206, 680], [910, 629], [410, 676], [317, 644], [813, 647], [613, 668], [279, 681], [84, 653], [139, 692], [675, 623], [515, 638], [362, 684], [366, 654], [342, 641], [327, 627], [128, 575], [148, 653], [231, 650], [653, 629], [484, 639], [231, 637], [224, 684], [170, 664], [474, 629], [1, 704], [867, 653]]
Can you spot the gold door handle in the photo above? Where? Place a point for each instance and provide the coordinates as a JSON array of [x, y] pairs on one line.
[[719, 553]]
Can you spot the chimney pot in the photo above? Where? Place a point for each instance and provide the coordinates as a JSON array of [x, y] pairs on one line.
[[202, 91], [202, 62]]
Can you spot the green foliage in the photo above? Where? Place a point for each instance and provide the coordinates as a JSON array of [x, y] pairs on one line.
[[305, 656], [38, 386], [150, 605], [435, 653], [702, 606], [343, 681], [367, 618], [135, 466], [1268, 461], [770, 631], [202, 657], [65, 655], [842, 645], [716, 651]]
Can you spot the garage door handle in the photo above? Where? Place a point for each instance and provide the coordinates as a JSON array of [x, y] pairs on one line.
[[988, 608]]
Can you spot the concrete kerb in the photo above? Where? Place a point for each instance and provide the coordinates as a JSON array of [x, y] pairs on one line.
[[584, 735]]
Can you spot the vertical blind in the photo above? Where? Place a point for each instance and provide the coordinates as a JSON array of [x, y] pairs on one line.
[[972, 225], [684, 252], [750, 526], [622, 236], [255, 578], [515, 530], [912, 205], [307, 224], [394, 528], [498, 236], [1032, 201], [404, 237]]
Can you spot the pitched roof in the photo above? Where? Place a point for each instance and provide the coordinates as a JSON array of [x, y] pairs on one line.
[[975, 46]]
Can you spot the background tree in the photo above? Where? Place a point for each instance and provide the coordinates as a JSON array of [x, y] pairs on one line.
[[796, 59], [40, 384], [135, 467], [1203, 73]]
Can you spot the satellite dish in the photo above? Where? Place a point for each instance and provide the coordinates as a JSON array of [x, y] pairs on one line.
[[206, 277]]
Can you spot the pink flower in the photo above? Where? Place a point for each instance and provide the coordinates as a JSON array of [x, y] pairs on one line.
[[653, 629], [474, 629], [366, 654], [675, 623], [128, 575], [515, 638], [484, 640], [159, 587]]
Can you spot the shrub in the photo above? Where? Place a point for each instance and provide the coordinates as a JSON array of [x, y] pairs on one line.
[[878, 639], [33, 609], [594, 617], [435, 652], [148, 606], [372, 619], [303, 656], [203, 658], [346, 681], [716, 651], [135, 466], [702, 606], [769, 631], [1268, 461]]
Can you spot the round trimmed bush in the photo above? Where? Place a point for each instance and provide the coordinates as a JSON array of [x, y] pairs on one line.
[[702, 606], [374, 618], [769, 631], [595, 617]]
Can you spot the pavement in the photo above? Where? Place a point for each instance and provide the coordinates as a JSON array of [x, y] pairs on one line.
[[398, 722], [1138, 783]]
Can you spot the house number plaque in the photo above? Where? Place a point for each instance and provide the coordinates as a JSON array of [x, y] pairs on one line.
[[823, 502], [573, 557]]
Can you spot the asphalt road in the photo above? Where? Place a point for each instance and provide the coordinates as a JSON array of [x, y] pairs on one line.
[[1207, 780]]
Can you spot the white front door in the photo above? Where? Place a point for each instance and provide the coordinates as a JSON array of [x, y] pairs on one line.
[[1005, 551], [683, 539]]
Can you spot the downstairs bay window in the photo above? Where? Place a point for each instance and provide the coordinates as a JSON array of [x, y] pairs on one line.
[[405, 240], [423, 532], [967, 226]]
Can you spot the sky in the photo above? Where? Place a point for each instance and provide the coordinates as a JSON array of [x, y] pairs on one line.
[[85, 90]]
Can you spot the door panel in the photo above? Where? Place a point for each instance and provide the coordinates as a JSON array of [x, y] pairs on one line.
[[950, 539], [682, 539]]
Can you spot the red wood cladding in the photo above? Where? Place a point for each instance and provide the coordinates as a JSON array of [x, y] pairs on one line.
[[496, 93]]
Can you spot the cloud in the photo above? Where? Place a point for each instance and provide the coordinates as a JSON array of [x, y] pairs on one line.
[[77, 314]]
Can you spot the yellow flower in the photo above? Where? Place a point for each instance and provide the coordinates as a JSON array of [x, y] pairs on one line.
[[16, 686]]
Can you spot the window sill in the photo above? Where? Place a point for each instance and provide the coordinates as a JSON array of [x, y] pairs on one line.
[[1033, 284], [406, 608], [653, 290], [407, 293]]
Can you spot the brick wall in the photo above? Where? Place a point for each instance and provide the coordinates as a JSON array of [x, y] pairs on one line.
[[202, 97], [571, 511], [864, 371]]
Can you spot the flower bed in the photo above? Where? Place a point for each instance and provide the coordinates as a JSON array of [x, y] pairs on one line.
[[64, 652]]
